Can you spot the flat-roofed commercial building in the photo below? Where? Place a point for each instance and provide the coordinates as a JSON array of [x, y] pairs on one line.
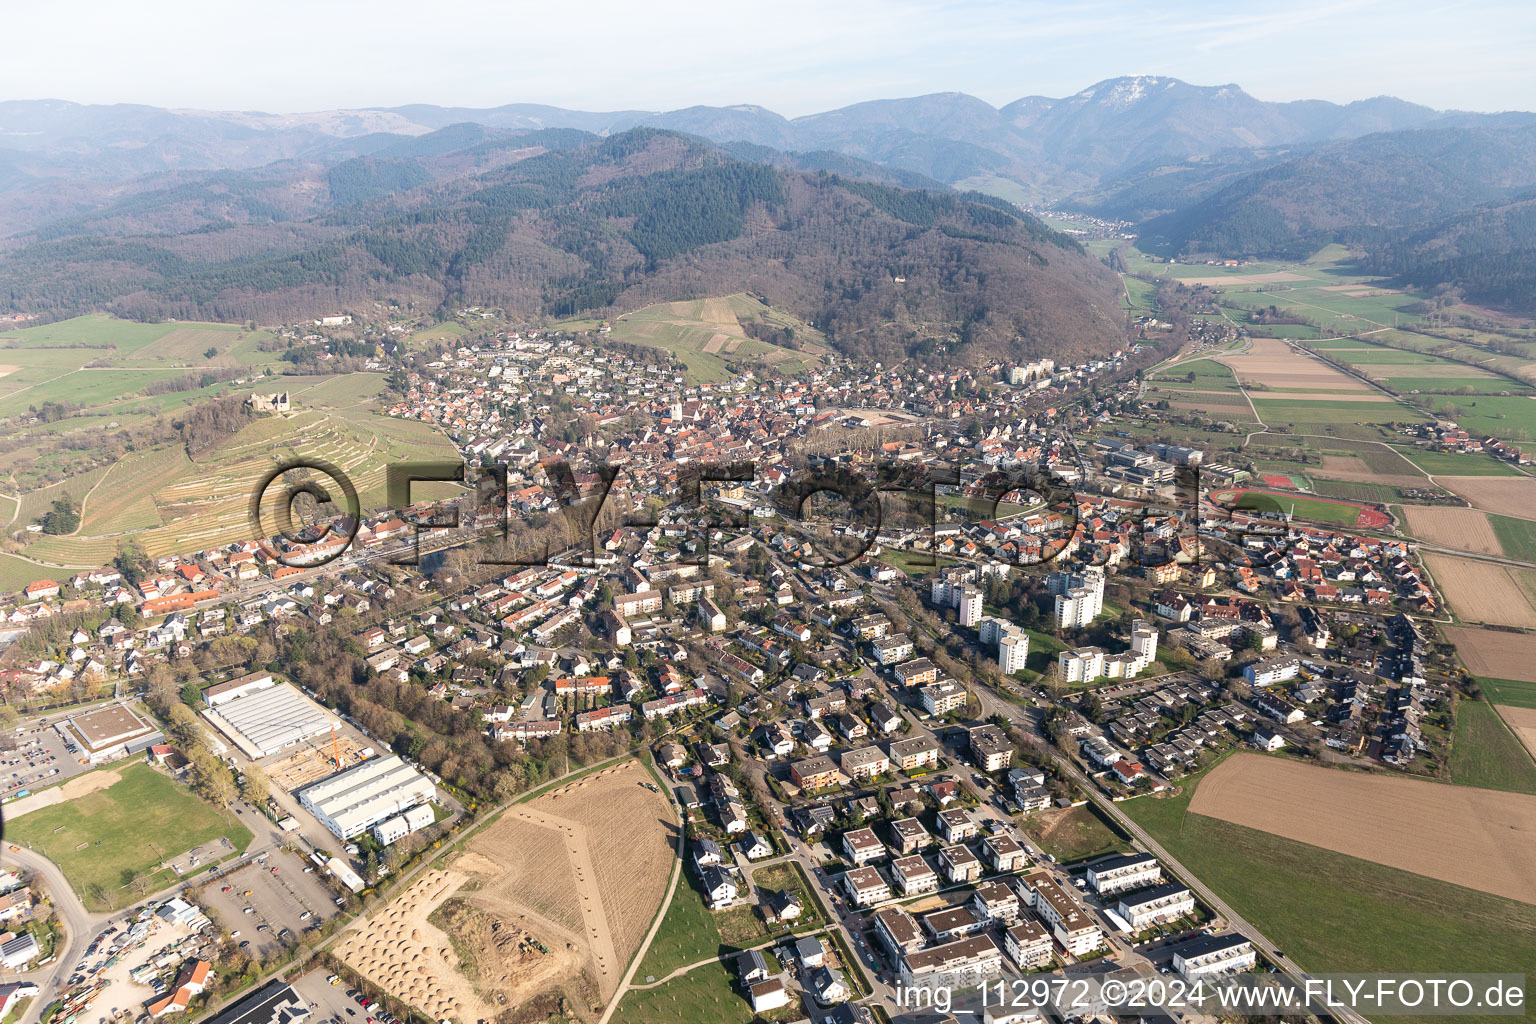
[[359, 798], [110, 733], [269, 720]]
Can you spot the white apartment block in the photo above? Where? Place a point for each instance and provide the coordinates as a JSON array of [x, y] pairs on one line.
[[943, 697], [969, 606], [1029, 944], [1124, 873], [1012, 652], [1214, 954], [1160, 903], [1061, 911]]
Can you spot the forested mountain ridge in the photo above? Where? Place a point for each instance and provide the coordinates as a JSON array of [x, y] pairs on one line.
[[1367, 190], [1058, 144], [559, 223]]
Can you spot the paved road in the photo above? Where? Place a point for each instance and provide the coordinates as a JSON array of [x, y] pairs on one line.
[[80, 925]]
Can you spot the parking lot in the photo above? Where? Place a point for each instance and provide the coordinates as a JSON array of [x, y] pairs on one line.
[[270, 902], [38, 759], [329, 1002], [337, 1004]]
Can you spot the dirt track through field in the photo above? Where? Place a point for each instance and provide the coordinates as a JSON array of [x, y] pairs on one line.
[[1506, 495], [1479, 592], [1463, 529], [1476, 838], [1490, 652]]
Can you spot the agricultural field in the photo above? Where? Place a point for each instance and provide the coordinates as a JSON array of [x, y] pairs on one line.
[[1487, 754], [1275, 365], [1380, 818], [1333, 912], [1507, 693], [1480, 592], [104, 363], [1509, 418], [1406, 371], [1522, 723], [1382, 466], [1505, 495], [119, 825], [1461, 529], [1495, 653], [706, 333], [169, 504], [1516, 536], [1456, 464]]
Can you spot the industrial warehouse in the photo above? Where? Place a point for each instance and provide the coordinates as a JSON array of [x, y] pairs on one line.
[[264, 717], [352, 801]]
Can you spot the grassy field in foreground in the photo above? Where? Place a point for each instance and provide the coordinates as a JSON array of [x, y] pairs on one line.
[[708, 995], [1485, 754], [1333, 913], [129, 827]]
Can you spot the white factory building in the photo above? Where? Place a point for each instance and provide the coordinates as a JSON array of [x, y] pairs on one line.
[[269, 719], [401, 825], [375, 791]]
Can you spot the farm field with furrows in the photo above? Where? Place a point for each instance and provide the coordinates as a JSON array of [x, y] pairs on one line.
[[1381, 819], [1513, 496], [1495, 653], [1480, 592], [1462, 529], [1329, 911]]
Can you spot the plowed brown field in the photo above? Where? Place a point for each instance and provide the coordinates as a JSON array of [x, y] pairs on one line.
[[1506, 495], [1476, 838], [1481, 592], [1490, 652], [1464, 529]]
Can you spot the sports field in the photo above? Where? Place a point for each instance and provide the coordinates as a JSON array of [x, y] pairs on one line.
[[1340, 513], [102, 840]]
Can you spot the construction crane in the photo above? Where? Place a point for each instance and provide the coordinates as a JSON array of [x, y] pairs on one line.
[[335, 747]]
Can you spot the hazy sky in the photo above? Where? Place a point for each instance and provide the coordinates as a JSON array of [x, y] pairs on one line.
[[793, 56]]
